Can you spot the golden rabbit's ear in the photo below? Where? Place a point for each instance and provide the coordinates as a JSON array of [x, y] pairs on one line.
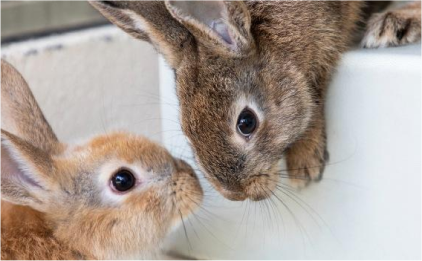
[[25, 172], [223, 27], [149, 21], [20, 112]]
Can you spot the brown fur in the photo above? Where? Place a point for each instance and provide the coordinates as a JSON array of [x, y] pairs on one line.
[[399, 26], [277, 55], [57, 204]]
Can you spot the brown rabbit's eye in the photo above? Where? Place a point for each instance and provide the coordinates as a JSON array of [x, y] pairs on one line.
[[247, 122], [123, 180]]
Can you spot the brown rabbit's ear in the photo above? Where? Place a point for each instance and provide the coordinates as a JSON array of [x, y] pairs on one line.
[[24, 169], [149, 21], [221, 26]]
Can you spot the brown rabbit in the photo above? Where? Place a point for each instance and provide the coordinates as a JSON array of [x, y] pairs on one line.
[[252, 76], [114, 197]]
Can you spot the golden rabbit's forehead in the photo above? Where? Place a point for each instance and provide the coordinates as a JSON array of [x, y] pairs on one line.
[[115, 147], [127, 147]]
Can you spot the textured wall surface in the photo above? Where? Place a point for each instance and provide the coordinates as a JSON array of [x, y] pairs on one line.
[[92, 81]]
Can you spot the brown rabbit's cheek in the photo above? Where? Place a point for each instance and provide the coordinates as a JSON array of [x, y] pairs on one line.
[[288, 105]]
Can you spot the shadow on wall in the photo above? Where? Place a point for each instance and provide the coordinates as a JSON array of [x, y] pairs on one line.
[[25, 19]]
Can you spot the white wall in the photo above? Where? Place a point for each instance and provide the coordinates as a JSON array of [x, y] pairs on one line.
[[92, 81]]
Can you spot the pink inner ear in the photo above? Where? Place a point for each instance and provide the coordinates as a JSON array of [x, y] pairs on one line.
[[213, 14], [222, 30], [10, 170], [7, 165]]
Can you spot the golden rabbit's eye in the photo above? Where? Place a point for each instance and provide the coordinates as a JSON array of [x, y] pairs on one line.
[[123, 180]]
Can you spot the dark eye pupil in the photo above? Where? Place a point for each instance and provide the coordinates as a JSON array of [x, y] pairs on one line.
[[246, 123], [123, 180]]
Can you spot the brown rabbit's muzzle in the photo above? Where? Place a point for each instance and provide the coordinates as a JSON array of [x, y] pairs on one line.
[[254, 186]]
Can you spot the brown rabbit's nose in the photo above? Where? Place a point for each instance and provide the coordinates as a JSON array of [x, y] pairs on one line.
[[230, 190], [255, 187], [234, 196]]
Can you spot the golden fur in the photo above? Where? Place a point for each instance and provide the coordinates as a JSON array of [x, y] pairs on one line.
[[56, 198]]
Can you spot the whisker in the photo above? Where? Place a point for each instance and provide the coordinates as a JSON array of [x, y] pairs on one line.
[[186, 233], [297, 222], [212, 234]]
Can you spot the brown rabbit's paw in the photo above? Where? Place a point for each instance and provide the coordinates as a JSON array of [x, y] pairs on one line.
[[393, 28], [304, 168]]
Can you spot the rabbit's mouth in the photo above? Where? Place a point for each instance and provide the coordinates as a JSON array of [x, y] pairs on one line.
[[232, 195], [260, 186], [255, 187]]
